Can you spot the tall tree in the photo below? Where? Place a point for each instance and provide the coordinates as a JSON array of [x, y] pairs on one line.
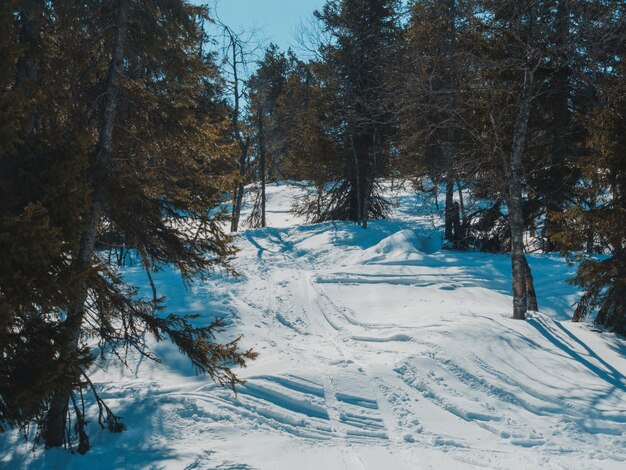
[[131, 154], [508, 52], [604, 281], [56, 418], [266, 86], [365, 40], [429, 78], [236, 61], [598, 220]]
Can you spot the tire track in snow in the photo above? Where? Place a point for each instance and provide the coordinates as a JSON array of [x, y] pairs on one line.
[[296, 285]]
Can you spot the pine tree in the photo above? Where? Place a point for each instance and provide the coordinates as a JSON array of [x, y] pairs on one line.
[[604, 281], [312, 142], [365, 39], [266, 86], [430, 78], [508, 52], [118, 142], [40, 209], [599, 220]]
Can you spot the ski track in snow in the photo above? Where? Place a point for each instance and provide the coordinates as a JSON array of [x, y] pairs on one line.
[[377, 351]]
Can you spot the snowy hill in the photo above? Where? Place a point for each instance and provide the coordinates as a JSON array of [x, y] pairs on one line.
[[377, 350]]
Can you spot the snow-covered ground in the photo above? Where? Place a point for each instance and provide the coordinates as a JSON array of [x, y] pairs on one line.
[[377, 350]]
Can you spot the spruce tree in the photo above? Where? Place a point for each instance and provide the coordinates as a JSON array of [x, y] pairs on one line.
[[432, 116], [365, 40], [266, 86], [120, 142], [602, 224], [312, 143]]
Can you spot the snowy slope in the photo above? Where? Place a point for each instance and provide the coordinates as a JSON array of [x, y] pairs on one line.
[[378, 350]]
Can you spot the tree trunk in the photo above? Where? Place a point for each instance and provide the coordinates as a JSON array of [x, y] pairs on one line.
[[590, 242], [449, 147], [516, 217], [366, 202], [240, 189], [357, 182], [530, 287], [461, 200], [371, 169], [449, 208], [456, 223], [262, 168], [55, 427], [238, 202], [233, 209], [243, 143]]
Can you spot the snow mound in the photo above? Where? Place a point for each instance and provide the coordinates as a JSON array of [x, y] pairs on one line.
[[397, 249]]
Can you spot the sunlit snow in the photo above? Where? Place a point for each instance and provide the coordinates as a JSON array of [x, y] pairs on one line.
[[378, 350]]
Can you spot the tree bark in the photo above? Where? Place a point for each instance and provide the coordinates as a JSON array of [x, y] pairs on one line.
[[461, 200], [357, 180], [530, 287], [456, 223], [262, 168], [55, 426], [243, 143], [449, 147], [590, 236], [240, 189], [371, 169], [516, 218], [366, 201], [238, 201], [449, 208]]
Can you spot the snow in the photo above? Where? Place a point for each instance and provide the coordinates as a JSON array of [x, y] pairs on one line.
[[377, 350]]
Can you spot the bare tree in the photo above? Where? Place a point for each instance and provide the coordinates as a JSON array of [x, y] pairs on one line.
[[239, 50]]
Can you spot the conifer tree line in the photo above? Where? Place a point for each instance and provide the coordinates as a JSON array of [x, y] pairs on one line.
[[123, 140], [519, 103], [115, 146]]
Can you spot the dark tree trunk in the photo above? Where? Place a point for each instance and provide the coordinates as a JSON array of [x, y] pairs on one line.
[[590, 242], [371, 169], [449, 147], [357, 181], [449, 208], [515, 175], [237, 204], [56, 422], [366, 202], [456, 223], [262, 169], [461, 200], [530, 288], [243, 143], [240, 189]]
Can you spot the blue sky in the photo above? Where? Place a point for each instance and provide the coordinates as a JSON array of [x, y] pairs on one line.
[[276, 20]]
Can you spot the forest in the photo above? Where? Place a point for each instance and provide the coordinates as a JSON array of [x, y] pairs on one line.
[[141, 138]]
